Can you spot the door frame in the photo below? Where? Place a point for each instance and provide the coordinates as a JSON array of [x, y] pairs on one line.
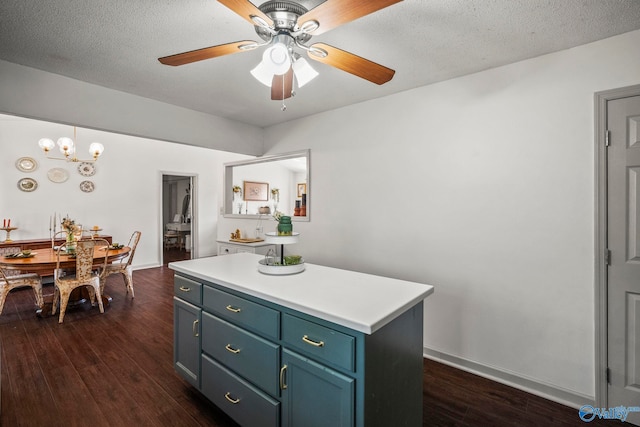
[[194, 212], [601, 100]]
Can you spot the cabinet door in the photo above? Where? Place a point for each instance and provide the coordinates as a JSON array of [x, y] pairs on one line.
[[314, 395], [186, 340], [226, 249]]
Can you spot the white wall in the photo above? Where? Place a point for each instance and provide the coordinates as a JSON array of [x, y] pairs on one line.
[[482, 186], [128, 185], [36, 94]]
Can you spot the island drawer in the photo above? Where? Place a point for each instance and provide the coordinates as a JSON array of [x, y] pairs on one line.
[[324, 343], [187, 289], [242, 312], [245, 353], [247, 405]]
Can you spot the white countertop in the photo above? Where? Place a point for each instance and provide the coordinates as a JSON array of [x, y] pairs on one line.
[[359, 301], [253, 244]]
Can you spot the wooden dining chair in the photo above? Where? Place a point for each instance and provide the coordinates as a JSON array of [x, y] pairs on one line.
[[57, 236], [9, 282], [123, 266], [84, 275]]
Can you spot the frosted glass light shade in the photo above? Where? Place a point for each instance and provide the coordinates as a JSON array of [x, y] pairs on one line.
[[303, 71], [276, 58], [66, 145], [262, 74], [95, 149], [46, 144]]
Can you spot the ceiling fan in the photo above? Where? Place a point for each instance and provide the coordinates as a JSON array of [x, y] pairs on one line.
[[285, 25]]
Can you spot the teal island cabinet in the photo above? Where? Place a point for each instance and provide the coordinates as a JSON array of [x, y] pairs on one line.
[[325, 347]]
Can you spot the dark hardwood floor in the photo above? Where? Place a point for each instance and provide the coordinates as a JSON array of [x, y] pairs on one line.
[[115, 369], [174, 254]]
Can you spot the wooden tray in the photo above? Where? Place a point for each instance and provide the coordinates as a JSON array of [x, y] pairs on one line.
[[246, 240]]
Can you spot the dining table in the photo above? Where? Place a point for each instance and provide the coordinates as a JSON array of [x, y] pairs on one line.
[[44, 261]]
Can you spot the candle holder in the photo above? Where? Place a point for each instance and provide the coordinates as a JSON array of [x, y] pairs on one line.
[[8, 230]]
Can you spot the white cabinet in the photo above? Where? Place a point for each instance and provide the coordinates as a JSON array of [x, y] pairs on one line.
[[260, 248]]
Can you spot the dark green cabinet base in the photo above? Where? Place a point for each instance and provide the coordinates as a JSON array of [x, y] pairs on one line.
[[267, 365], [314, 395], [238, 398]]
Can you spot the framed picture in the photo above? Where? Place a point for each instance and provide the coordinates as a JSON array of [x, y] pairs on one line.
[[256, 191], [302, 189]]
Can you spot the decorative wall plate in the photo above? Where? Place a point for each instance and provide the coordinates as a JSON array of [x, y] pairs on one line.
[[26, 164], [57, 175], [86, 169], [87, 186], [27, 184]]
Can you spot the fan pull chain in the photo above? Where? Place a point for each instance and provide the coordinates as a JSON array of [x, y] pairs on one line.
[[284, 107]]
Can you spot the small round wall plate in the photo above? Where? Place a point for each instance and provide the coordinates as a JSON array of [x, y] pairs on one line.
[[27, 184], [26, 164], [87, 186], [87, 169], [57, 175]]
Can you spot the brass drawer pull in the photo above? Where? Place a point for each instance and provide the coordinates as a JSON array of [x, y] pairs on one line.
[[195, 328], [231, 349], [185, 289], [231, 399], [283, 386], [312, 342], [233, 309]]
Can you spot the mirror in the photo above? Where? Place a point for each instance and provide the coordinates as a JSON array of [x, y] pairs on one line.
[[267, 184]]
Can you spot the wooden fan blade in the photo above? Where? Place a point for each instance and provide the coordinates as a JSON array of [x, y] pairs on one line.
[[333, 13], [246, 9], [353, 64], [204, 53], [282, 85]]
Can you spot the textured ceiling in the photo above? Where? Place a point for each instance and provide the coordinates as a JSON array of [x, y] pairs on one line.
[[116, 43]]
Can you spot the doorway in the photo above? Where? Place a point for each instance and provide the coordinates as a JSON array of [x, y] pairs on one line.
[[178, 217], [618, 249]]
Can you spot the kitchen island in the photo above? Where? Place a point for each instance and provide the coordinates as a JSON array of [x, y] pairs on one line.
[[324, 347]]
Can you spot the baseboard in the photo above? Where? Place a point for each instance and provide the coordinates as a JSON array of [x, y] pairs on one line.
[[145, 266], [547, 391]]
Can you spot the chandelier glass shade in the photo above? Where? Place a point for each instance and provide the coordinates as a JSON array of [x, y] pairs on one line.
[[67, 148]]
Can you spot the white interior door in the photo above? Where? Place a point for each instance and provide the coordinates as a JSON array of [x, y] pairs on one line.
[[623, 276]]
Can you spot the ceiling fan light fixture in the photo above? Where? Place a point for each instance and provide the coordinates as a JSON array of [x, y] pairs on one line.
[[277, 59], [303, 71]]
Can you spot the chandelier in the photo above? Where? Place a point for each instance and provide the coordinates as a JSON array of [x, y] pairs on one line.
[[67, 147]]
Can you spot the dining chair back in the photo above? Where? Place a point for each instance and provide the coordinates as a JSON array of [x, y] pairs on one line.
[[84, 275], [9, 282], [123, 266], [58, 235]]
